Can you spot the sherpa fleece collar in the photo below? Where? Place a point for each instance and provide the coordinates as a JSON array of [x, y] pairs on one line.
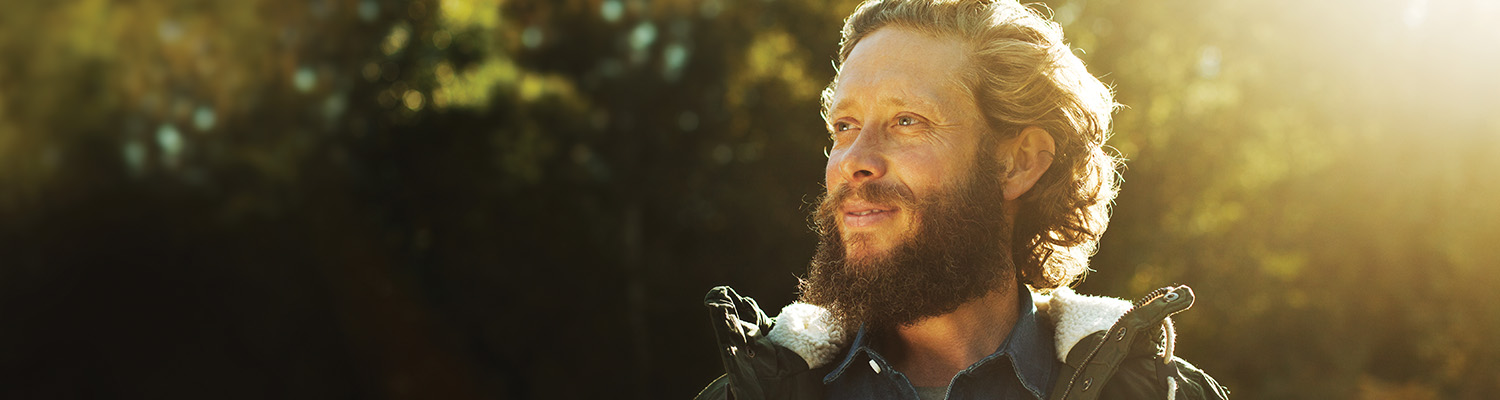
[[809, 331]]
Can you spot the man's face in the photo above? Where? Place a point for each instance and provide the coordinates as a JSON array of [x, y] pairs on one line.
[[899, 118], [911, 226]]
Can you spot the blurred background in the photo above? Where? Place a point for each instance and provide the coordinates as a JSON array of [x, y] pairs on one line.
[[520, 200]]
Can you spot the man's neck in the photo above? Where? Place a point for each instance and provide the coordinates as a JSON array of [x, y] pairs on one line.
[[931, 351]]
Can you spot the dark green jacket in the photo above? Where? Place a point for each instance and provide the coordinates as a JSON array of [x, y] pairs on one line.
[[1114, 349]]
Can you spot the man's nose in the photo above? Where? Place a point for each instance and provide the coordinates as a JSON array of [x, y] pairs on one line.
[[865, 160]]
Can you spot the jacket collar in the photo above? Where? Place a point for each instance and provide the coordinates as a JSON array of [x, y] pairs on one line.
[[1027, 348], [809, 330], [1076, 316]]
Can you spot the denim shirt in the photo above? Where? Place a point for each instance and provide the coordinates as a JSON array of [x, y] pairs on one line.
[[1023, 367]]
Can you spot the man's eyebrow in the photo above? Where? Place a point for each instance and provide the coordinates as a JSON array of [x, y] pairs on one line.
[[890, 100], [840, 106]]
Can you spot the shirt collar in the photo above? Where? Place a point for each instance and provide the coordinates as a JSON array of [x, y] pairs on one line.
[[1028, 348]]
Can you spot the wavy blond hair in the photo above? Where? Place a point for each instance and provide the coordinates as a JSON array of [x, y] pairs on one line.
[[1022, 74]]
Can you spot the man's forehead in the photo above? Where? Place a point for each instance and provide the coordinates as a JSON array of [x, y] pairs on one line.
[[900, 68], [897, 66]]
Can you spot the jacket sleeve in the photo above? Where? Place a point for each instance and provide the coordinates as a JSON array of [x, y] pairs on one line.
[[1195, 384], [1149, 378]]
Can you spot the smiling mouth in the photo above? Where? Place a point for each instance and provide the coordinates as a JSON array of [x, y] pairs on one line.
[[867, 216]]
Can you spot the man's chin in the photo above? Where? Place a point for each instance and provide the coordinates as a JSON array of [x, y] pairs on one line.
[[861, 258], [865, 263], [864, 248]]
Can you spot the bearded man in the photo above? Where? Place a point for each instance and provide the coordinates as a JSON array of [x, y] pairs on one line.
[[967, 185]]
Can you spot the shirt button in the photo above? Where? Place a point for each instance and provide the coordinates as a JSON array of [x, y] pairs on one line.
[[874, 366]]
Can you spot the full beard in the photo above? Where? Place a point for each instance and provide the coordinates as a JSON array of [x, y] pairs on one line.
[[958, 252]]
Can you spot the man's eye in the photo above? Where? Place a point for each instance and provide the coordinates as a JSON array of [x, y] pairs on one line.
[[906, 121]]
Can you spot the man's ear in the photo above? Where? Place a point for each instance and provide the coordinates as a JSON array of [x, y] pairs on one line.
[[1031, 154]]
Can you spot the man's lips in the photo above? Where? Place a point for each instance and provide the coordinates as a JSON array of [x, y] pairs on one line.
[[861, 214]]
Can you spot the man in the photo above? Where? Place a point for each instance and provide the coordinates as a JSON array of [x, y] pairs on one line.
[[966, 171]]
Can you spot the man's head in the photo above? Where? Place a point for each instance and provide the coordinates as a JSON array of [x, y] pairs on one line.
[[967, 154]]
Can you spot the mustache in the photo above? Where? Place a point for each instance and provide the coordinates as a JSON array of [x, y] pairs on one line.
[[886, 193]]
